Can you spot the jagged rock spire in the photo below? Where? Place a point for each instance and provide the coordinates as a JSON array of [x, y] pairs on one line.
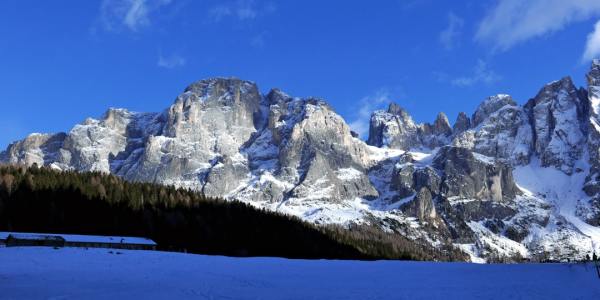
[[463, 122], [441, 125], [396, 109]]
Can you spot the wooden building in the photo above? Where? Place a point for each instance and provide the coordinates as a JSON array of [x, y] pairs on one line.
[[15, 239]]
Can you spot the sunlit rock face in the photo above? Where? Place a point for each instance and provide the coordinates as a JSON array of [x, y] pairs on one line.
[[40, 149], [501, 129], [393, 128], [396, 129], [491, 105]]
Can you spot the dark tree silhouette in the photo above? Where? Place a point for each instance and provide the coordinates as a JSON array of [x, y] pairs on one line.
[[39, 199]]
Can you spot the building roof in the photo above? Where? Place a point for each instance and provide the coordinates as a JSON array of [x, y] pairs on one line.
[[37, 237], [77, 238]]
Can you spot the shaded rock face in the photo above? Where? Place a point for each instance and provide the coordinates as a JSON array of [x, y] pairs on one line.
[[468, 187], [441, 126], [462, 124], [468, 176], [408, 179], [593, 139], [436, 134], [592, 184], [422, 206], [489, 211], [428, 177], [557, 115], [402, 181]]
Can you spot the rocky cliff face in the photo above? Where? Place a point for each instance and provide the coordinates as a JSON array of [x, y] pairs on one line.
[[508, 180], [40, 149], [592, 184], [558, 114], [393, 128], [396, 129], [469, 175], [504, 133]]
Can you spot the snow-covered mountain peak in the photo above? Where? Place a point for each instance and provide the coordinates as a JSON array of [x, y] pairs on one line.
[[490, 105]]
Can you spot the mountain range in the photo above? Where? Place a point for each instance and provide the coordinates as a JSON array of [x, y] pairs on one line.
[[508, 181]]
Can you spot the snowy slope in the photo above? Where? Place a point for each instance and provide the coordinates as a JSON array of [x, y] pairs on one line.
[[75, 273]]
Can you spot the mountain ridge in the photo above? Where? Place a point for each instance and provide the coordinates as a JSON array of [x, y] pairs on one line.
[[460, 182]]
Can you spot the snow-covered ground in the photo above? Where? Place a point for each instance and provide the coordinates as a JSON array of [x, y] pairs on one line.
[[76, 273]]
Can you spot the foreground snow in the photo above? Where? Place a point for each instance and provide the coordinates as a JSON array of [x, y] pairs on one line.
[[75, 273]]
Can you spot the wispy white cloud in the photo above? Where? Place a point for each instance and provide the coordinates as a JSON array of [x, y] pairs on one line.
[[450, 35], [481, 74], [137, 15], [132, 15], [592, 46], [241, 10], [511, 22], [367, 105], [170, 62]]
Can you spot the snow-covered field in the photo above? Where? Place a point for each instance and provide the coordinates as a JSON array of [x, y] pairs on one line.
[[76, 273]]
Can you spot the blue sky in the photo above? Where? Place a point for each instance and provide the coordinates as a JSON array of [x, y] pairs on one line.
[[63, 61]]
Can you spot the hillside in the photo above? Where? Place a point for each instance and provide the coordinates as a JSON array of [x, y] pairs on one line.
[[45, 200]]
